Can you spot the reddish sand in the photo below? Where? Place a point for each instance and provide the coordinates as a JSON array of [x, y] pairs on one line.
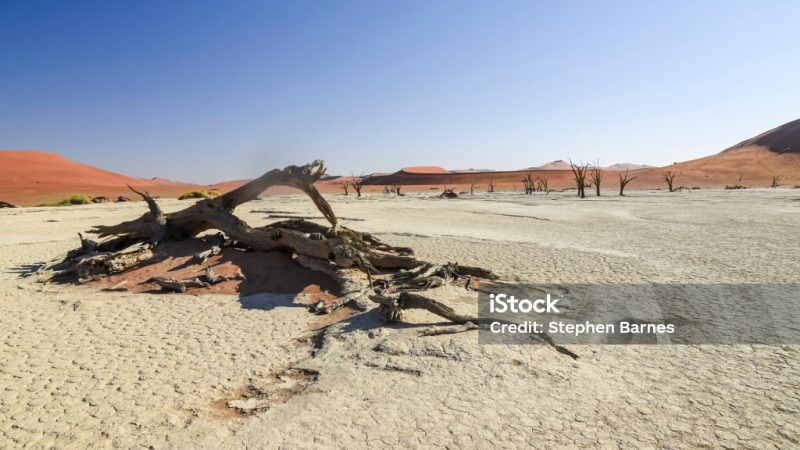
[[27, 168], [425, 169], [752, 166], [30, 177], [273, 272]]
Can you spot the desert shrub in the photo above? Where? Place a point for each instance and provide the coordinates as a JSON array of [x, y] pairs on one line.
[[78, 199], [198, 194]]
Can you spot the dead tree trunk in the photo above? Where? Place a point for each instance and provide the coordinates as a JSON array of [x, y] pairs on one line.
[[346, 187], [490, 186], [775, 182], [624, 179], [579, 173], [542, 185], [596, 175], [669, 177], [529, 183], [357, 183]]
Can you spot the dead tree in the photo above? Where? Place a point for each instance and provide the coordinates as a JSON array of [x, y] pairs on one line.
[[368, 271], [448, 192], [596, 176], [490, 186], [541, 185], [775, 182], [357, 183], [624, 179], [669, 178], [579, 173], [472, 187], [529, 183], [396, 189], [346, 186]]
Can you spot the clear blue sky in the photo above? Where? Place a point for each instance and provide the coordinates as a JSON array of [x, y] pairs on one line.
[[205, 91]]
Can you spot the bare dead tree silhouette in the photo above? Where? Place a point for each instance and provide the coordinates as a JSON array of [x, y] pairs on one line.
[[669, 178], [624, 179], [596, 176], [579, 173]]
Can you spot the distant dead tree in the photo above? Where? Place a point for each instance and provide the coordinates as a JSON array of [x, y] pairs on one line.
[[490, 186], [346, 186], [596, 175], [579, 172], [472, 187], [624, 179], [448, 192], [775, 181], [541, 185], [669, 178], [529, 184], [357, 183], [396, 189]]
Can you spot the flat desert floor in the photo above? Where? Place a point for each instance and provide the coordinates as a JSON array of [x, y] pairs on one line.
[[84, 368]]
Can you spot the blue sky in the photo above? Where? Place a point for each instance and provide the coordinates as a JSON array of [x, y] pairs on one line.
[[205, 91]]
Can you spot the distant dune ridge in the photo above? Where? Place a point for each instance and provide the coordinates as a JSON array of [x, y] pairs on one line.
[[30, 177], [783, 139], [753, 162], [29, 168]]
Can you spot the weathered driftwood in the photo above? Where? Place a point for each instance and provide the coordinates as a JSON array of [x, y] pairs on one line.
[[201, 257], [367, 270]]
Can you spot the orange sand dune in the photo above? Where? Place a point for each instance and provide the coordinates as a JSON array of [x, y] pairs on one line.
[[425, 169], [29, 168], [752, 163], [752, 166], [33, 177]]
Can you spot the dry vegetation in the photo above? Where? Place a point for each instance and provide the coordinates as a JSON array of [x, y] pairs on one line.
[[198, 194], [78, 199]]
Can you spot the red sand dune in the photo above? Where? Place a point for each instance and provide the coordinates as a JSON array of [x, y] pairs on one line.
[[750, 163], [424, 169], [29, 168], [32, 177]]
